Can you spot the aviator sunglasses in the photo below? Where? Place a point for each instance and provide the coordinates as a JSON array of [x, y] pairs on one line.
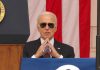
[[43, 25]]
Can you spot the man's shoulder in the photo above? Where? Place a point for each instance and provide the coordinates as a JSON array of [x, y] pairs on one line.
[[63, 44], [33, 42]]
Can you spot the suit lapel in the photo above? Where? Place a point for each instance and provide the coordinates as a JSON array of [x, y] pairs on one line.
[[57, 46], [38, 43]]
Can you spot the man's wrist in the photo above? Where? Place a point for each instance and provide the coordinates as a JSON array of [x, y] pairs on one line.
[[61, 56], [36, 55], [33, 56]]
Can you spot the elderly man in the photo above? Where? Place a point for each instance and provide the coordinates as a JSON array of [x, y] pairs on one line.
[[46, 46]]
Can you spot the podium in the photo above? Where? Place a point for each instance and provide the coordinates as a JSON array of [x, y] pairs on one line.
[[54, 64], [14, 31]]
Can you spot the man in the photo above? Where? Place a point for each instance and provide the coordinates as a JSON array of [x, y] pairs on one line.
[[46, 45]]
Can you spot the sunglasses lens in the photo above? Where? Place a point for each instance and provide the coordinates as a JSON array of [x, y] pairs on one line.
[[51, 25], [42, 25]]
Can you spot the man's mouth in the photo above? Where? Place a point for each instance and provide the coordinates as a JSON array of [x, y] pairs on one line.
[[47, 33]]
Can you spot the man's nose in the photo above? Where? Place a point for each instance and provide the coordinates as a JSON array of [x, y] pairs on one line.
[[47, 27]]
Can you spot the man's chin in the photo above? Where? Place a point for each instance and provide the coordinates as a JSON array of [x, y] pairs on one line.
[[46, 37]]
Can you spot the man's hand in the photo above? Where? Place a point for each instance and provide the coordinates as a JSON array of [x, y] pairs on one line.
[[53, 52], [41, 49], [47, 47]]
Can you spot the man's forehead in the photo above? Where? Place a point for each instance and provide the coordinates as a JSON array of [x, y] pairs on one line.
[[47, 15]]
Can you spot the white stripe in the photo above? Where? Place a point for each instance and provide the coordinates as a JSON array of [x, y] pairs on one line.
[[70, 24], [93, 31], [35, 8]]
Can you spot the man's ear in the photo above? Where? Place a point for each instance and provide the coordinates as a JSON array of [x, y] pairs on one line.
[[38, 27], [55, 29]]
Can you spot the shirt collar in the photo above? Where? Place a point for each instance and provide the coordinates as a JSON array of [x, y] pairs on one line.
[[51, 41]]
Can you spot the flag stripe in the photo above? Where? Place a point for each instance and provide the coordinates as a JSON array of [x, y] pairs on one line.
[[56, 7], [35, 8], [70, 23], [84, 27]]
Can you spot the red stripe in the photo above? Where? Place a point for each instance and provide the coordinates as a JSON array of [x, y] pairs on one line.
[[84, 27], [56, 7]]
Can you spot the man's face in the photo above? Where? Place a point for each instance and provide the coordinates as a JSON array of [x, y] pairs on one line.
[[47, 26]]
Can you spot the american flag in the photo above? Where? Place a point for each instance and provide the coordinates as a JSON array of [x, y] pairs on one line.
[[73, 22]]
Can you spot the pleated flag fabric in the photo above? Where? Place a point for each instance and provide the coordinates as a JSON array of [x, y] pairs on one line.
[[73, 22]]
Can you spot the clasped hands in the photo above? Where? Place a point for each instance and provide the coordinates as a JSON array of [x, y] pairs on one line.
[[47, 47]]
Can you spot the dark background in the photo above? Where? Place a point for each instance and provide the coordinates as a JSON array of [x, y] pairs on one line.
[[98, 36], [15, 26]]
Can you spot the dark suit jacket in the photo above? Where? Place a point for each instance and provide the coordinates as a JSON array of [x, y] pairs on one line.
[[31, 47]]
